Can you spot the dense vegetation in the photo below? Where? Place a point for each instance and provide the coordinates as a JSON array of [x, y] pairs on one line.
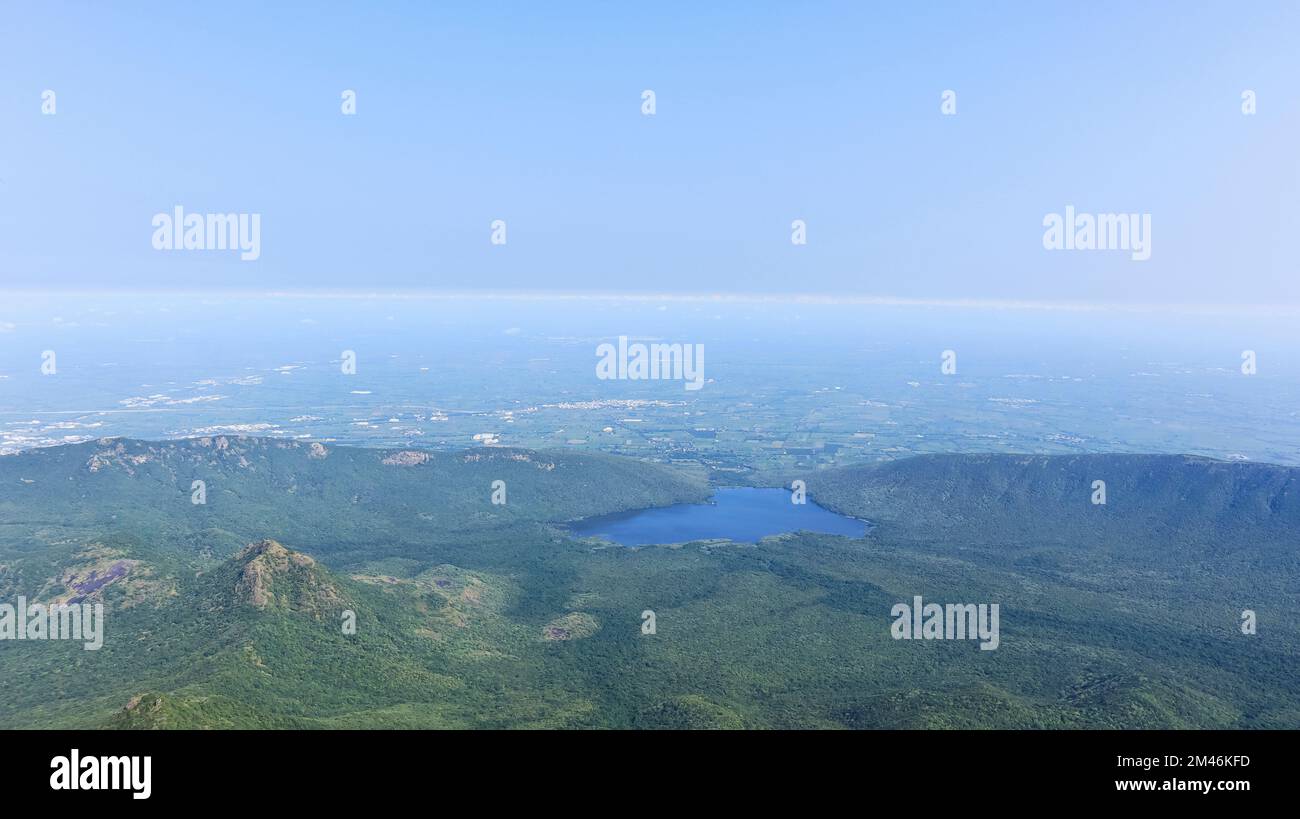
[[470, 614]]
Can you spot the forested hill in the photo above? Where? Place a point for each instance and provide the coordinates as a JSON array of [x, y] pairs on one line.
[[1026, 500], [257, 471], [336, 498], [234, 612]]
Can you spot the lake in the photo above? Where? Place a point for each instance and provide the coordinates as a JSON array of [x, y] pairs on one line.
[[742, 514]]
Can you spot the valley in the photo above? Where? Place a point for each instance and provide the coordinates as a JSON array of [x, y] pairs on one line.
[[467, 613]]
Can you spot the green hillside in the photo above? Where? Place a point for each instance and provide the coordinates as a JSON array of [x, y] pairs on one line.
[[469, 614]]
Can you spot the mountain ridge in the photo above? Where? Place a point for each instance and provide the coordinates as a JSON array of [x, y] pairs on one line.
[[232, 613], [1184, 497]]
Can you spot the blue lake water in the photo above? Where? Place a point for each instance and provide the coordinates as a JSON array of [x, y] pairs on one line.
[[741, 514]]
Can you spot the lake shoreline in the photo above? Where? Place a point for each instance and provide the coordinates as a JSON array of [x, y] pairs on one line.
[[738, 514]]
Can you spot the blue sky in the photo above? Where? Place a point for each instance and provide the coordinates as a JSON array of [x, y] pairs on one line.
[[766, 113]]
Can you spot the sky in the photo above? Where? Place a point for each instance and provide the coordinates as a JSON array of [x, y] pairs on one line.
[[765, 113]]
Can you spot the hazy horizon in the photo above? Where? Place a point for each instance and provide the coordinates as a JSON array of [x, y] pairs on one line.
[[829, 114]]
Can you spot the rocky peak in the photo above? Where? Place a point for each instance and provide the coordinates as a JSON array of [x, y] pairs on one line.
[[273, 576]]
